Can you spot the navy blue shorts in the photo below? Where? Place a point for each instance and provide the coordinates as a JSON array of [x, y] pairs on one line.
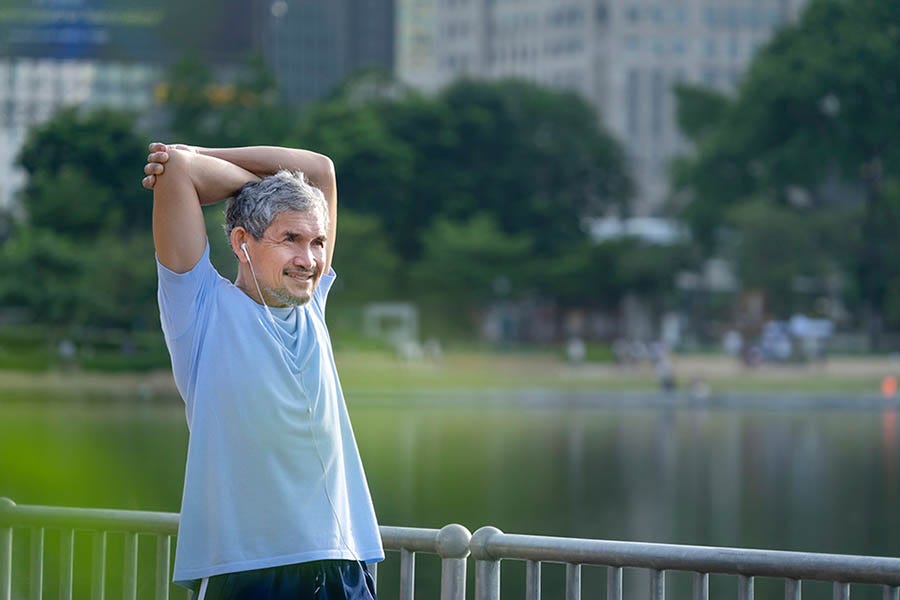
[[316, 580]]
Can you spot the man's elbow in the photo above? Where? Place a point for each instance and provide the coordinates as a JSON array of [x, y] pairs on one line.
[[323, 172], [325, 167]]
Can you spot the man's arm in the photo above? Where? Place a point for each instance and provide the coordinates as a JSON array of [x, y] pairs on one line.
[[182, 181], [267, 160]]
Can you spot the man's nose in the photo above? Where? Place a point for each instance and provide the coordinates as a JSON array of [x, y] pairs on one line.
[[305, 258]]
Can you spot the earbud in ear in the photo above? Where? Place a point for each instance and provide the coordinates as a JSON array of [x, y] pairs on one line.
[[244, 248]]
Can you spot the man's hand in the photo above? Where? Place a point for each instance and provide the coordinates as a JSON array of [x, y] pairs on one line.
[[157, 159]]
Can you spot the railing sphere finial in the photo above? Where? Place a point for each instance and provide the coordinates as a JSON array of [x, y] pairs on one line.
[[453, 541], [479, 542]]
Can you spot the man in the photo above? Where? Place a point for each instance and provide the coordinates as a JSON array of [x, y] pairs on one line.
[[275, 500]]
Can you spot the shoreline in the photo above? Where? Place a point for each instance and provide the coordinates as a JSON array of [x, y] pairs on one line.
[[366, 374]]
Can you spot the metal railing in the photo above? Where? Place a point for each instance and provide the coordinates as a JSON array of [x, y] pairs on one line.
[[453, 544]]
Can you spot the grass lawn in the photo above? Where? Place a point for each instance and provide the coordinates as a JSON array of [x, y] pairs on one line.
[[374, 372]]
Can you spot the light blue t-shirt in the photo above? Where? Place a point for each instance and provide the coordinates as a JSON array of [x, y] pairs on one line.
[[273, 475]]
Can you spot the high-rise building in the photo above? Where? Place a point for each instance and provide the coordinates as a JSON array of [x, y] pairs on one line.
[[622, 55], [312, 45], [113, 53], [59, 53]]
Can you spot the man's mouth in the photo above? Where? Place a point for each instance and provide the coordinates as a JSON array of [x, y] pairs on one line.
[[300, 275]]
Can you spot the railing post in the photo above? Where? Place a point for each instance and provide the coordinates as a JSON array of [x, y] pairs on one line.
[[453, 548], [792, 589], [66, 563], [532, 580], [573, 581], [657, 584], [487, 568], [6, 547], [701, 586], [98, 566], [36, 585], [407, 574], [841, 590], [130, 567], [614, 583], [163, 552]]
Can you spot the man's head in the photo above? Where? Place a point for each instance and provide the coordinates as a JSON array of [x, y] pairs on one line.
[[283, 220]]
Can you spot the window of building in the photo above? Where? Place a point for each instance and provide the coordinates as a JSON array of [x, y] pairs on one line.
[[632, 43], [632, 101], [657, 102], [633, 13], [659, 48]]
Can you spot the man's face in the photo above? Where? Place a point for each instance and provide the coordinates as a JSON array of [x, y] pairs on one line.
[[290, 257]]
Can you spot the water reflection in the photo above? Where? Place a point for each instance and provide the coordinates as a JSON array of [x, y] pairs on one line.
[[813, 479]]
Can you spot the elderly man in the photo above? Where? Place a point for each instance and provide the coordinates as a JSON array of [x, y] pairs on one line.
[[275, 500]]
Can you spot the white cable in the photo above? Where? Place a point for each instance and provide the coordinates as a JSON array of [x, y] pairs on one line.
[[311, 428]]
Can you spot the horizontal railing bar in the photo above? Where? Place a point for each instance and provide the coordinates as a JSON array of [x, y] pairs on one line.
[[134, 521], [409, 538], [846, 568]]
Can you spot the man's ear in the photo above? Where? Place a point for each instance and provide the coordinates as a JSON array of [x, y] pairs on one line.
[[239, 236]]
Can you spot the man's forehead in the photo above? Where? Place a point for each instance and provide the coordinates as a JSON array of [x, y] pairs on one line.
[[299, 221]]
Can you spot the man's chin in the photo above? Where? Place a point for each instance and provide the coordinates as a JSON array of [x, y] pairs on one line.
[[286, 298]]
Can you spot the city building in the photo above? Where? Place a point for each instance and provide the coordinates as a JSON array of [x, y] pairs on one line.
[[106, 53], [56, 53], [312, 46], [622, 55]]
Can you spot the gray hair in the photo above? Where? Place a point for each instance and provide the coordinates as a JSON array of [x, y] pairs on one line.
[[257, 203]]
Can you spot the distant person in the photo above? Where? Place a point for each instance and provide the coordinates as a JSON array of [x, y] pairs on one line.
[[662, 366], [275, 500]]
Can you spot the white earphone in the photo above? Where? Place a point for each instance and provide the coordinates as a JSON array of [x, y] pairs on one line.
[[244, 248]]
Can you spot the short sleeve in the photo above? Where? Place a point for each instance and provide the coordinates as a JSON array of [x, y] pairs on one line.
[[181, 294], [320, 296]]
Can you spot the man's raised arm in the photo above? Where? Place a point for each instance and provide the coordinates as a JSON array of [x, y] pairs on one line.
[[267, 160], [182, 180]]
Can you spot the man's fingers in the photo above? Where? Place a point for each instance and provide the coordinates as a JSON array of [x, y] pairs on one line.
[[149, 181], [158, 157], [153, 169], [157, 147]]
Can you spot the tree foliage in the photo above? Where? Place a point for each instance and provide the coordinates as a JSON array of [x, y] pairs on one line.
[[810, 129], [82, 170], [82, 255], [536, 161]]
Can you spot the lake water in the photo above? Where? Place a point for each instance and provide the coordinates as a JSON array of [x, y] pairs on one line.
[[781, 473]]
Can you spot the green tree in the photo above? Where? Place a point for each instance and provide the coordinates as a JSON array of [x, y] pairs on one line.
[[42, 273], [779, 249], [82, 256], [819, 103], [467, 264], [207, 111], [364, 260], [535, 160], [84, 171]]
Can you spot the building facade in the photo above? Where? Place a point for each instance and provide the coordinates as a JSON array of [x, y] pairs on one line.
[[624, 56], [312, 46], [113, 53]]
